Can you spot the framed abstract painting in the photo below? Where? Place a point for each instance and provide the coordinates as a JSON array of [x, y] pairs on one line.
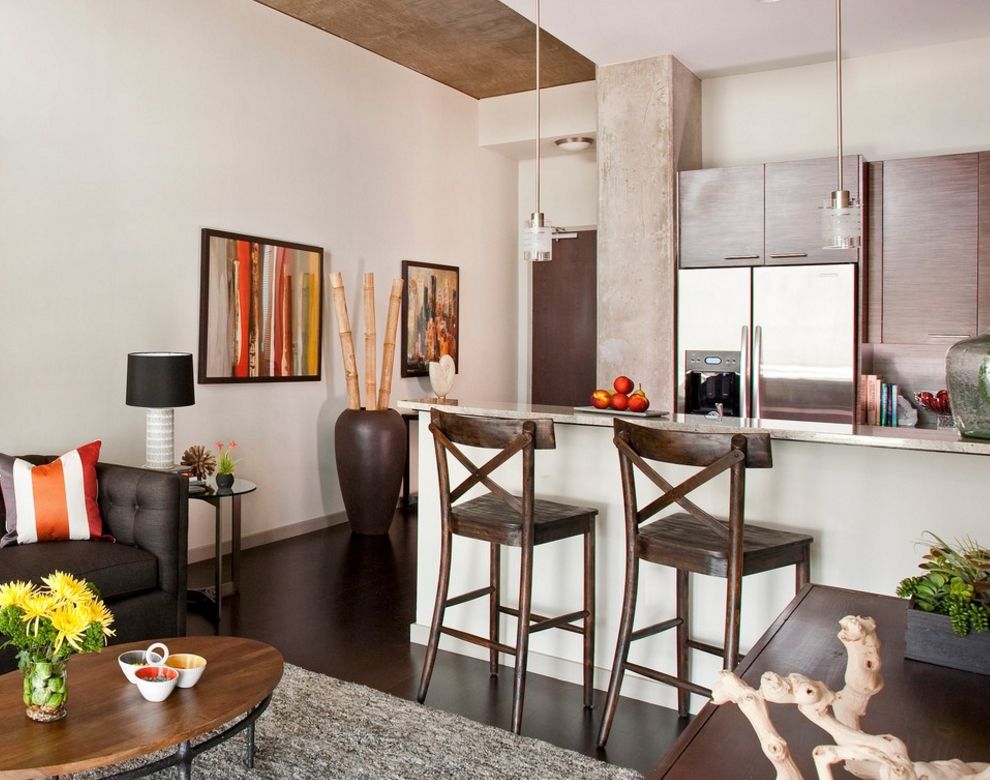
[[261, 309], [430, 319]]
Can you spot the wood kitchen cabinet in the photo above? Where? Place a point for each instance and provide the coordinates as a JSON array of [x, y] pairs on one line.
[[930, 242], [795, 194], [761, 214], [721, 217]]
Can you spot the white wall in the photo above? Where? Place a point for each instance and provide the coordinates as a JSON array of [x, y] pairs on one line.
[[912, 103], [569, 181], [569, 199], [508, 122], [126, 127]]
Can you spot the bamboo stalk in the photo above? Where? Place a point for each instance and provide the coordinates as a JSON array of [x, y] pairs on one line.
[[346, 341], [370, 336], [388, 348]]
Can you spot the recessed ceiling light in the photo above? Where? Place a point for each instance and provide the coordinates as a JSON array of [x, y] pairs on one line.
[[769, 1], [574, 143]]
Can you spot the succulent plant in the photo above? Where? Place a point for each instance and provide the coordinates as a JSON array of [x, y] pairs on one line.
[[956, 583]]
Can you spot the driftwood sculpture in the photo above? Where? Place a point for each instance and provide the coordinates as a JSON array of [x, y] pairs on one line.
[[869, 756]]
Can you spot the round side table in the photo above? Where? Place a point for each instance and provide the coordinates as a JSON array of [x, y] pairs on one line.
[[211, 494]]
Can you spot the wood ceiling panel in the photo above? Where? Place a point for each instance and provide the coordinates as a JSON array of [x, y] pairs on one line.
[[480, 47]]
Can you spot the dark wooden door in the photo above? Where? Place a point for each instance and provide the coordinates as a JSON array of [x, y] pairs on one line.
[[930, 223], [565, 329], [721, 217], [795, 193]]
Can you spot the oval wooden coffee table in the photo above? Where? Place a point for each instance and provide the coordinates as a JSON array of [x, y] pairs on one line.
[[109, 721]]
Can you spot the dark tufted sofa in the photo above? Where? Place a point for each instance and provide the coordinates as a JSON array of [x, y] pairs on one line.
[[142, 576]]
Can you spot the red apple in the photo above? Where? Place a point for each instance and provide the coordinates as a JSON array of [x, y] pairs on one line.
[[638, 402], [600, 399], [619, 402], [623, 384]]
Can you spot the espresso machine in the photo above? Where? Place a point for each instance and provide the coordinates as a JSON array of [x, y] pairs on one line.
[[712, 384]]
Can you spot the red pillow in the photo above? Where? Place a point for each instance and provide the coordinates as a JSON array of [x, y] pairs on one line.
[[53, 502]]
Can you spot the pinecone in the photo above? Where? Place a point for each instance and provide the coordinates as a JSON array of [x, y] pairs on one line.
[[200, 459]]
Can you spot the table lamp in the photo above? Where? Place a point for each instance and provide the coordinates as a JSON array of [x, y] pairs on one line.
[[160, 381]]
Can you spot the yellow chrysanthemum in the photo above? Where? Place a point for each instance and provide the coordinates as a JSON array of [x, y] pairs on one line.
[[70, 624], [15, 593], [68, 588], [37, 606], [68, 605], [97, 612]]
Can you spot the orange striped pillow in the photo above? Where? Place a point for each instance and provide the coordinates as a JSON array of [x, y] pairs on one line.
[[53, 502]]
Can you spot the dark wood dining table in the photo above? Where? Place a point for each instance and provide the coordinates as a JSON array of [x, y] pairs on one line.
[[939, 713]]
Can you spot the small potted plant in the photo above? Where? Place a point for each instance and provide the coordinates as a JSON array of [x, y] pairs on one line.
[[47, 625], [949, 609], [225, 464]]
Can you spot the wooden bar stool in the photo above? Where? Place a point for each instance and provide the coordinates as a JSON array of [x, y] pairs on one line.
[[502, 518], [693, 541]]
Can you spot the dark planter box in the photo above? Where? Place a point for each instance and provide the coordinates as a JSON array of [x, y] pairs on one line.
[[930, 638]]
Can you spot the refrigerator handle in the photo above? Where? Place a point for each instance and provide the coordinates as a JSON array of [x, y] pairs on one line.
[[757, 370], [744, 373]]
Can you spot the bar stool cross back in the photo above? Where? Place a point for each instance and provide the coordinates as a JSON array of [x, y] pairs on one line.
[[501, 518], [692, 541]]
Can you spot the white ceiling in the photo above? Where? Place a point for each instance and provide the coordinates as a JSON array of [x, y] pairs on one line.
[[716, 37]]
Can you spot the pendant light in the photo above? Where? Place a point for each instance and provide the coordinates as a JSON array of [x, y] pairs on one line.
[[537, 235], [840, 215]]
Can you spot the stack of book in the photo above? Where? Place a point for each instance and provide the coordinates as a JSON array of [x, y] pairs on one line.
[[196, 485], [877, 401]]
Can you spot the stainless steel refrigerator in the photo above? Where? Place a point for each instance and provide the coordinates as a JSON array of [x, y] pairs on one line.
[[795, 329]]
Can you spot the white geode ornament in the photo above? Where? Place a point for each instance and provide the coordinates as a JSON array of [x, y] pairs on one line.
[[442, 376], [869, 756]]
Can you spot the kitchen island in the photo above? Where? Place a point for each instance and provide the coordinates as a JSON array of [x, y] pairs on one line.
[[866, 494]]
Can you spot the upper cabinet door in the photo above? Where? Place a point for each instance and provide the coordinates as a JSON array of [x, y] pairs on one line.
[[930, 227], [721, 217], [795, 194]]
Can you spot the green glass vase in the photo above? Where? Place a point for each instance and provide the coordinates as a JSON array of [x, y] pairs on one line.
[[45, 689], [967, 376]]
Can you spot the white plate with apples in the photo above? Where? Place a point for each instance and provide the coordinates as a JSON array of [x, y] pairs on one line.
[[624, 400], [626, 413]]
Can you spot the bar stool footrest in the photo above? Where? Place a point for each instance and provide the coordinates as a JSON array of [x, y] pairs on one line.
[[535, 619], [559, 622], [469, 596], [705, 647], [478, 640], [657, 628], [669, 679]]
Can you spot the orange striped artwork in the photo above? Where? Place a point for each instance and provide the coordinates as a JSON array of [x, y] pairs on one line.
[[261, 309]]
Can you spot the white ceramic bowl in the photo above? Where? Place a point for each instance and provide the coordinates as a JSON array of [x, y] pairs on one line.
[[189, 666], [156, 683], [133, 660]]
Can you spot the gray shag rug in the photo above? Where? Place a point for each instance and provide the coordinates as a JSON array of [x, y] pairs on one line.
[[321, 727]]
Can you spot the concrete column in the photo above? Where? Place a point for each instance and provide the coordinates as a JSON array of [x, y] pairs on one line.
[[649, 127]]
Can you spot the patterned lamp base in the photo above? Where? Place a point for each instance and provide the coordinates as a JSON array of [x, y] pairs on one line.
[[159, 448]]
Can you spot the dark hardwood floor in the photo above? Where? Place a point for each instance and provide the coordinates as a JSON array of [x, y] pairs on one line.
[[342, 604]]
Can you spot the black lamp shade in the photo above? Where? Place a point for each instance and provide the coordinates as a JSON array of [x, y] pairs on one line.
[[160, 380]]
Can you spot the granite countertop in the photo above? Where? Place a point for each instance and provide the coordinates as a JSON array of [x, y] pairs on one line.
[[923, 439]]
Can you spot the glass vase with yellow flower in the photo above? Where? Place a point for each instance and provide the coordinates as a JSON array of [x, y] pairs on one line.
[[47, 625]]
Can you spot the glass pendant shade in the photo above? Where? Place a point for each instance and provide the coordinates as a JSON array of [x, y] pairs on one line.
[[841, 222], [537, 239]]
